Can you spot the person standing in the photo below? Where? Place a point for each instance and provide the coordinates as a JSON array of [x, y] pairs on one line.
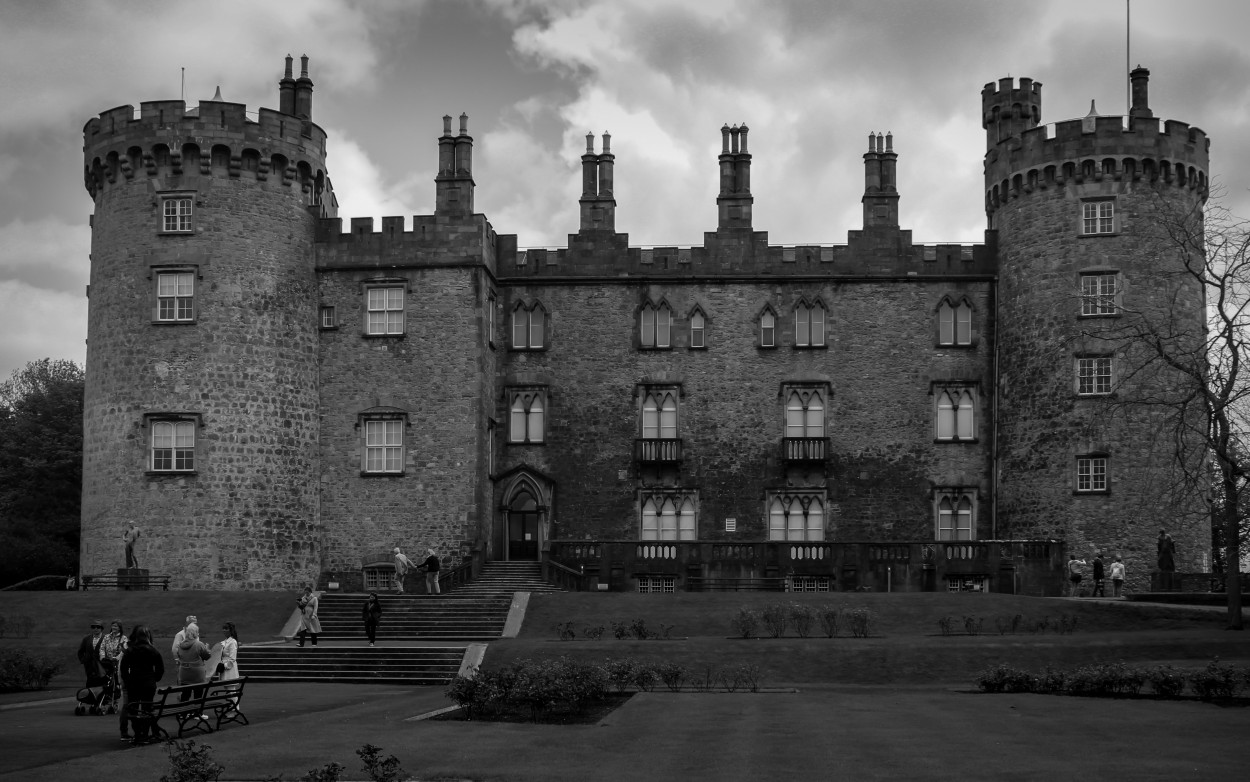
[[1076, 571], [142, 667], [181, 635], [402, 566], [89, 651], [228, 668], [1167, 552], [111, 648], [1100, 576], [130, 536], [371, 613], [191, 654], [309, 623], [431, 566], [1117, 576]]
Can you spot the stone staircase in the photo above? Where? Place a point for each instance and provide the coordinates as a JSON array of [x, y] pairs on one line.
[[417, 665], [421, 639]]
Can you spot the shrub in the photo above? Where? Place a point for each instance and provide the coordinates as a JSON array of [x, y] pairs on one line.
[[1216, 681], [1067, 624], [593, 633], [860, 620], [21, 670], [707, 679], [564, 631], [639, 630], [1007, 624], [801, 618], [645, 676], [745, 623], [189, 763], [775, 618], [330, 772], [1051, 681], [830, 620], [973, 624], [621, 673], [1166, 681], [1004, 678], [666, 630], [620, 630], [947, 625], [378, 768], [747, 675], [672, 674]]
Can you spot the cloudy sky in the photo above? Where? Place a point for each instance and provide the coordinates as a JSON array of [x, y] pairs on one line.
[[811, 78]]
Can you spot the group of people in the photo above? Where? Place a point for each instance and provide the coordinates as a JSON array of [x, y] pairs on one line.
[[1076, 569], [430, 566], [134, 665]]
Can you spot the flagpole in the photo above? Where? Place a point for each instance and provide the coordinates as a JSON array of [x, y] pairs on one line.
[[1128, 60]]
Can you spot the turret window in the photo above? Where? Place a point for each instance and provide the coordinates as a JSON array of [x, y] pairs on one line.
[[173, 446], [175, 297], [1099, 294], [176, 214], [1098, 217]]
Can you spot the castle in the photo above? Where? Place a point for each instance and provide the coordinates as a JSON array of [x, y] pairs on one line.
[[277, 401]]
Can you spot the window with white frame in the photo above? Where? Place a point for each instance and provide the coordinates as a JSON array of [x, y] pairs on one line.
[[1091, 474], [1093, 375], [805, 413], [796, 516], [657, 584], [1099, 294], [1098, 217], [173, 444], [384, 310], [809, 325], [659, 415], [955, 323], [955, 412], [175, 296], [176, 214], [655, 325], [698, 330], [956, 514], [668, 516], [768, 329], [384, 445], [529, 327], [527, 408], [328, 320]]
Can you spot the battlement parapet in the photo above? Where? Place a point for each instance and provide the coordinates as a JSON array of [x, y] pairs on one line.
[[1097, 148], [167, 136], [439, 241]]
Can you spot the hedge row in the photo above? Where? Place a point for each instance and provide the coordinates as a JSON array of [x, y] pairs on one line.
[[1216, 680]]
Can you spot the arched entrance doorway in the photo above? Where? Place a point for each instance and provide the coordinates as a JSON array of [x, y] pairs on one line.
[[523, 526]]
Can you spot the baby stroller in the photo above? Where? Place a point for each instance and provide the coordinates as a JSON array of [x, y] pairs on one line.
[[101, 695]]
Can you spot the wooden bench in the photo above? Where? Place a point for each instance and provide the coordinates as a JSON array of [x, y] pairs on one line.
[[216, 705], [114, 581]]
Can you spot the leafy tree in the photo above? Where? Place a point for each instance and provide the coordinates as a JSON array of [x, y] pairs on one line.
[[40, 469]]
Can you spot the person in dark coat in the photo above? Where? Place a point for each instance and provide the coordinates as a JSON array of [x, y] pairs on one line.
[[89, 652], [1100, 576], [142, 667], [371, 613], [430, 566]]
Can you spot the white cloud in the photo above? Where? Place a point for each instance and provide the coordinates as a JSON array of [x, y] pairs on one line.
[[46, 254], [362, 190], [38, 323]]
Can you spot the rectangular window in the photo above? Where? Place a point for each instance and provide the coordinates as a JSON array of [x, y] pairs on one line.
[[1093, 375], [796, 517], [175, 297], [529, 327], [955, 413], [807, 584], [697, 331], [956, 515], [1098, 294], [657, 584], [1091, 474], [176, 215], [768, 327], [327, 318], [527, 416], [1098, 217], [809, 326], [490, 320], [384, 446], [385, 308], [668, 516], [655, 324], [955, 324], [173, 446]]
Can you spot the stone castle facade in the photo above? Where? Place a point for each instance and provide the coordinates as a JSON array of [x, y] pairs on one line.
[[276, 400]]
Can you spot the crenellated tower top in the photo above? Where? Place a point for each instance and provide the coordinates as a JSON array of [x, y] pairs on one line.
[[1023, 155], [217, 138]]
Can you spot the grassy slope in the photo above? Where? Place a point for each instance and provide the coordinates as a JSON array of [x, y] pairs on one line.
[[61, 619], [906, 645]]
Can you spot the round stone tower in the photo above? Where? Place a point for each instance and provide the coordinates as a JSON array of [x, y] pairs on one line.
[[1082, 267], [201, 411]]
